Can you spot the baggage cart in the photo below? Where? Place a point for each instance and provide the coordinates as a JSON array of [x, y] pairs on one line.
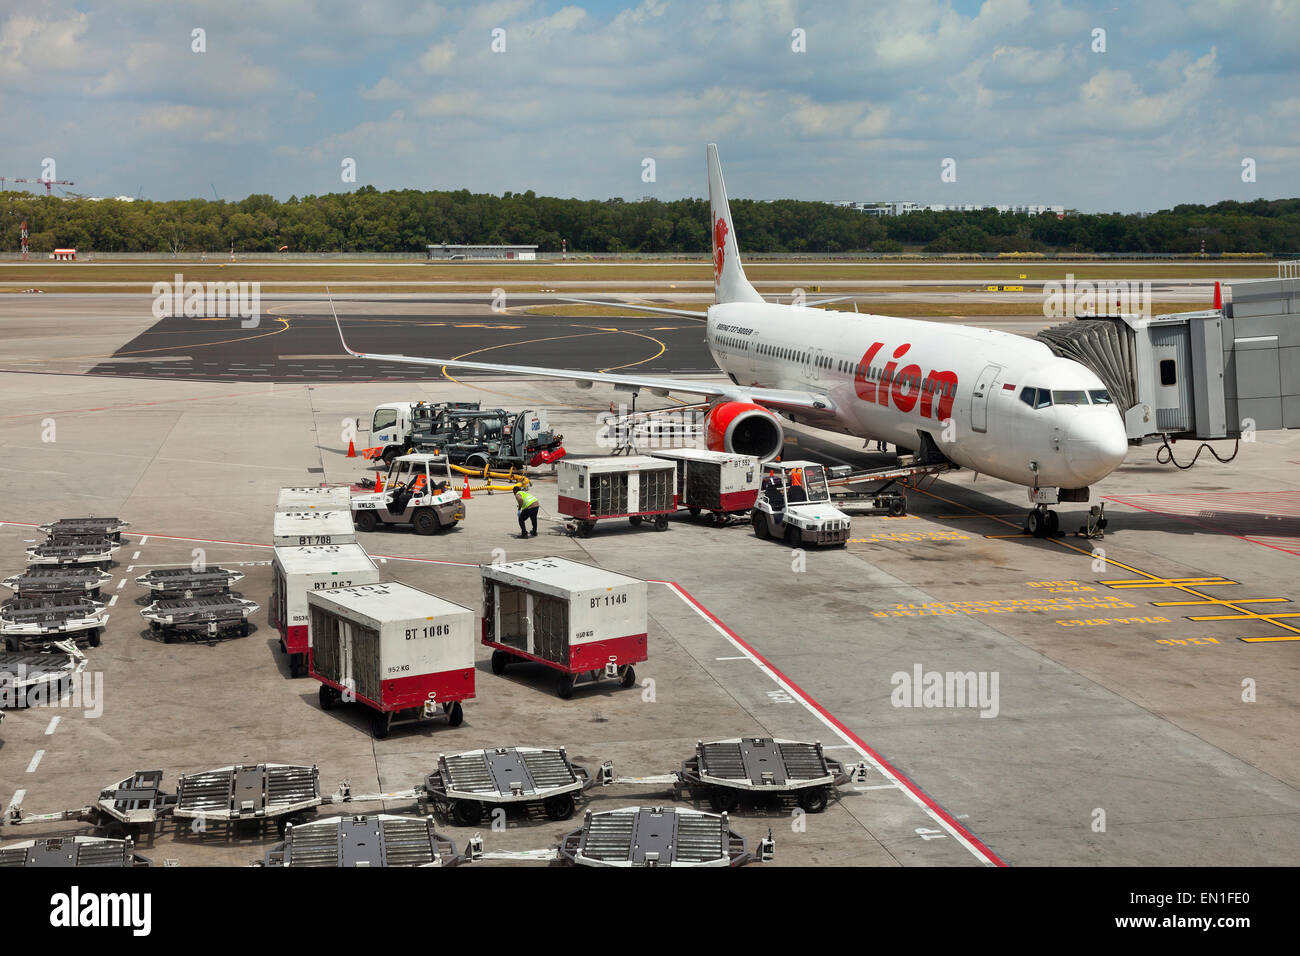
[[297, 571], [301, 529], [75, 549], [86, 528], [323, 498], [29, 678], [72, 851], [188, 583], [202, 618], [249, 794], [381, 839], [582, 621], [717, 482], [41, 621], [465, 786], [131, 807], [636, 487], [404, 653], [73, 581]]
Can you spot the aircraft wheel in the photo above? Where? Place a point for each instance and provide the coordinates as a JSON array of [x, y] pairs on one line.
[[1053, 523], [1034, 524]]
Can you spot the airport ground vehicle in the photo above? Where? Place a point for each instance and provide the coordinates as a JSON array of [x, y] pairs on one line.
[[717, 482], [635, 487], [63, 550], [130, 807], [33, 676], [417, 491], [465, 432], [295, 572], [582, 621], [86, 528], [253, 794], [404, 653], [465, 786], [795, 506], [301, 529], [313, 498], [45, 620], [78, 850], [210, 618], [380, 839], [70, 581], [187, 582]]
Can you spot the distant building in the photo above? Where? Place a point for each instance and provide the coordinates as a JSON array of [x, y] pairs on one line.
[[902, 208], [448, 250], [64, 255]]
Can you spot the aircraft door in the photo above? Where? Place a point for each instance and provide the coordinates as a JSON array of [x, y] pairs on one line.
[[979, 403]]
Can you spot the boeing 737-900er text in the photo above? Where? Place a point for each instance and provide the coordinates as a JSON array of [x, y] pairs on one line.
[[995, 402]]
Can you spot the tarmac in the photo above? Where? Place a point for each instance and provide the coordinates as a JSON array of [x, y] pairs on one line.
[[1144, 712]]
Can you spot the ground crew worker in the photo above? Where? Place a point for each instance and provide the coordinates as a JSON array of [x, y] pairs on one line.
[[528, 505]]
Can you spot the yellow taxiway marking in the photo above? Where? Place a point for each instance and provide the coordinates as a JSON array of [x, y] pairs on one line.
[[1235, 601], [1149, 580]]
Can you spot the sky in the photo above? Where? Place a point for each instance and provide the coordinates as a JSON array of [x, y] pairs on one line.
[[1094, 106]]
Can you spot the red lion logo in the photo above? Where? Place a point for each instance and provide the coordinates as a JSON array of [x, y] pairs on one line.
[[719, 247]]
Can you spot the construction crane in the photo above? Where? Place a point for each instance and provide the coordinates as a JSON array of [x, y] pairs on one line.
[[47, 183]]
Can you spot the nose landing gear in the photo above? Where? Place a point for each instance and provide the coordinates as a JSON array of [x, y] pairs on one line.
[[1042, 522]]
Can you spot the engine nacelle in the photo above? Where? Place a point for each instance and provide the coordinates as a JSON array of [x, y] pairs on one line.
[[744, 428]]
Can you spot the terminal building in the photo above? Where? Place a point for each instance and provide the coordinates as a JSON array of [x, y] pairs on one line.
[[448, 250]]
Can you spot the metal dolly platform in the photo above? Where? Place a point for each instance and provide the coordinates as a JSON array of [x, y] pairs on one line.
[[380, 839], [851, 491], [31, 674], [62, 550], [465, 785], [756, 770], [57, 581], [254, 793], [646, 837], [131, 807], [72, 851], [212, 617], [87, 528], [188, 583], [42, 621]]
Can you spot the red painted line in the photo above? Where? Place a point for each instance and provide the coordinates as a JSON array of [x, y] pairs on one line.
[[1207, 525], [811, 701]]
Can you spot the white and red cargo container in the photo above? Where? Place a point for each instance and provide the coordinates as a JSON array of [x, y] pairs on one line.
[[313, 498], [718, 482], [404, 653], [302, 529], [570, 617], [636, 487], [297, 572]]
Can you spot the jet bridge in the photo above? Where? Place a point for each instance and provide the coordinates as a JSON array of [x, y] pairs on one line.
[[1209, 374]]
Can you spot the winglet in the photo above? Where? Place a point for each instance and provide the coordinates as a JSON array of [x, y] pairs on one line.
[[339, 326]]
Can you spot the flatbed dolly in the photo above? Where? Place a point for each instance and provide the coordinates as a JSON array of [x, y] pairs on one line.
[[254, 793], [464, 786], [889, 496], [28, 674], [381, 839], [754, 770], [188, 583], [648, 837], [74, 581], [72, 851], [61, 550], [200, 618], [86, 528], [45, 620], [131, 807]]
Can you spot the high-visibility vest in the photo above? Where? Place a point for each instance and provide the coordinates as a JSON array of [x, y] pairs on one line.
[[417, 486], [796, 477], [526, 500]]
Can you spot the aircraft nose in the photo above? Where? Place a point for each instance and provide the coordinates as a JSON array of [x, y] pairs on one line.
[[1095, 446]]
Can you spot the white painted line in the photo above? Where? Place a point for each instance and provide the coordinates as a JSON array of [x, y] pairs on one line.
[[54, 722], [136, 555], [880, 786], [36, 761], [742, 657], [113, 600], [130, 567], [17, 801], [144, 540], [121, 584]]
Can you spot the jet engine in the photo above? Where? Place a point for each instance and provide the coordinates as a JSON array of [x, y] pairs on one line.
[[744, 428]]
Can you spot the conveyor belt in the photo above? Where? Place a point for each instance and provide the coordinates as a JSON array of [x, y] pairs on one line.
[[71, 851], [378, 840]]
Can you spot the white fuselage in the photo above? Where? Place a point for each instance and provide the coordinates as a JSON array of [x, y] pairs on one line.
[[891, 379]]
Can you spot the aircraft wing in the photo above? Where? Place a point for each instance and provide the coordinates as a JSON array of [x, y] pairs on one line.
[[780, 399], [652, 309]]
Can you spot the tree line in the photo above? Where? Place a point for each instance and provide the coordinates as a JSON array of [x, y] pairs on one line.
[[368, 220]]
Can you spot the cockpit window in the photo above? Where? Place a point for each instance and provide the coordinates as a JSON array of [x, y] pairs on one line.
[[1036, 397], [1028, 395], [1069, 396], [1099, 396]]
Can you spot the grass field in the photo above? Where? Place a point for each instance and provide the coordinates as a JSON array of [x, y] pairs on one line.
[[534, 276]]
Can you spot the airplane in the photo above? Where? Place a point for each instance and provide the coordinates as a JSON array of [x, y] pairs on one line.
[[995, 402]]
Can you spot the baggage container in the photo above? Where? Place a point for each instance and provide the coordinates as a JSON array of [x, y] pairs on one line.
[[714, 481], [635, 487], [302, 529], [579, 620], [332, 498], [402, 652], [296, 572]]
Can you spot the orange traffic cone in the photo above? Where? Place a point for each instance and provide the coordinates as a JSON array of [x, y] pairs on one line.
[[1218, 296], [352, 449], [379, 482], [465, 495]]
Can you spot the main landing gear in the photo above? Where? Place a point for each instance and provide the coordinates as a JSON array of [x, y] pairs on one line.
[[1042, 522]]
